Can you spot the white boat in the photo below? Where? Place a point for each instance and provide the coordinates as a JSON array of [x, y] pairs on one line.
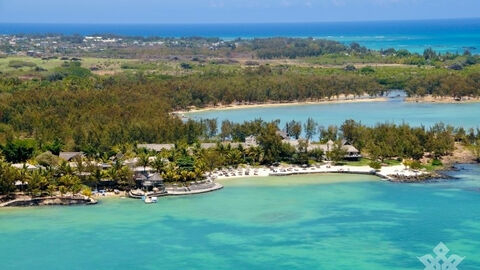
[[149, 199]]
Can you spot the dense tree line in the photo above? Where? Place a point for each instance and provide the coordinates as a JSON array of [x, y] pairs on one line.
[[296, 47], [452, 84], [93, 113], [382, 141], [189, 161], [264, 85]]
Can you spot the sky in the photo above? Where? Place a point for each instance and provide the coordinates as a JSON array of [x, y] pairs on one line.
[[231, 11]]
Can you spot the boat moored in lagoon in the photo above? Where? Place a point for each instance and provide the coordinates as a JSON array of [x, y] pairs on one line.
[[149, 199]]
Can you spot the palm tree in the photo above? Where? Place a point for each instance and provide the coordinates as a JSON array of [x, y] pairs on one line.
[[170, 174], [197, 150], [184, 175], [80, 165], [51, 189], [144, 161], [113, 173], [118, 164], [201, 165], [192, 175], [96, 177], [254, 153], [211, 159], [64, 169], [221, 149], [37, 183], [158, 164], [234, 156], [8, 176], [198, 173]]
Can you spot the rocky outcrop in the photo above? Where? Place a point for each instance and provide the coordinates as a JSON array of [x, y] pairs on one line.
[[51, 200], [434, 176]]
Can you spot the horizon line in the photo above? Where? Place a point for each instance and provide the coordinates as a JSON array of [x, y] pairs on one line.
[[231, 23]]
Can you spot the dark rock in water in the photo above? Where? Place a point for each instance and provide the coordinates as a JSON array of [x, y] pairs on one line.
[[431, 177], [443, 176], [54, 200], [454, 169]]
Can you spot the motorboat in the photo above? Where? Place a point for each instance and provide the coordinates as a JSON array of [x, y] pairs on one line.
[[150, 199]]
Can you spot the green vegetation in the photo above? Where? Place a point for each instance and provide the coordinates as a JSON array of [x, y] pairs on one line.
[[375, 165], [294, 47], [92, 113], [368, 162], [18, 64], [19, 150], [103, 104], [382, 144]]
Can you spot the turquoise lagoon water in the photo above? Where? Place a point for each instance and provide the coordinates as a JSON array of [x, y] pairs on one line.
[[297, 222], [370, 113]]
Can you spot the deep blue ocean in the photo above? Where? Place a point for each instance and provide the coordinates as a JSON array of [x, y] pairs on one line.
[[454, 35]]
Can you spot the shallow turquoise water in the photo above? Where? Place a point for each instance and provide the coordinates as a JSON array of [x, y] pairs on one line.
[[299, 222], [370, 113]]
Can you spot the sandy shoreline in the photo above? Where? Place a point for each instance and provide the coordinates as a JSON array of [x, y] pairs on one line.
[[425, 99], [390, 173], [281, 104]]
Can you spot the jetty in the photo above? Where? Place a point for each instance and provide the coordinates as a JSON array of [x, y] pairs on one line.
[[174, 190], [193, 189]]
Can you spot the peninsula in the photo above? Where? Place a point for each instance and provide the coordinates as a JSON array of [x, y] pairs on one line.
[[99, 115]]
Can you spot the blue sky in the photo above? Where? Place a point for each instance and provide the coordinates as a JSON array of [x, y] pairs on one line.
[[231, 11]]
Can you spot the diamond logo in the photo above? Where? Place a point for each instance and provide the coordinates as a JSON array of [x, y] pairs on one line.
[[441, 261]]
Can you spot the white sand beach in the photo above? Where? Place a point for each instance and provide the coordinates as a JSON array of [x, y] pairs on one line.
[[387, 172], [340, 99]]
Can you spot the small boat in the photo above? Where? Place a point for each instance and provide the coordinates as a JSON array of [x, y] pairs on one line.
[[149, 199]]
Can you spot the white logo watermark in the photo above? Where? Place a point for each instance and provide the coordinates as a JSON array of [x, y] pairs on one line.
[[441, 261]]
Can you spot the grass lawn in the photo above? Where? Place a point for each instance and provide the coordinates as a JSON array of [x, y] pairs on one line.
[[366, 162], [430, 167], [361, 162], [108, 66]]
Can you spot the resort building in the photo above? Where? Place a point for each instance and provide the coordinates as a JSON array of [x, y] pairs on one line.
[[283, 134], [149, 181], [26, 166], [157, 147], [208, 145], [352, 153], [227, 143], [251, 141]]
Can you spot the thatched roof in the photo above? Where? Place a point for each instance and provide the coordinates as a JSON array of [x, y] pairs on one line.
[[70, 155], [156, 147]]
